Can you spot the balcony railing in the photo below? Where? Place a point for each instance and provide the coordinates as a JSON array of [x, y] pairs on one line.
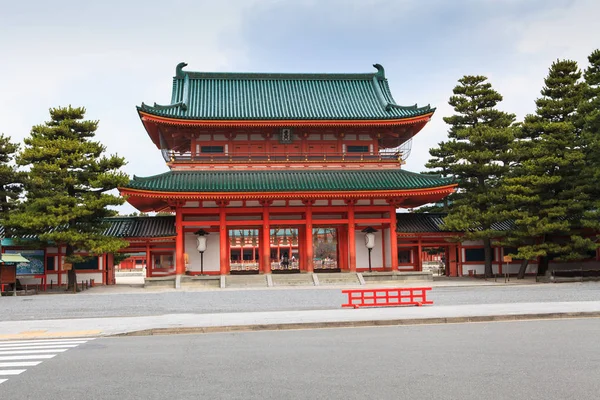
[[220, 158]]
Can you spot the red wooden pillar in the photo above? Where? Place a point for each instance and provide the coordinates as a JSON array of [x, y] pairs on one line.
[[309, 237], [351, 236], [265, 244], [460, 260], [342, 248], [179, 258], [301, 250], [224, 257], [109, 269], [148, 260], [393, 238], [59, 268], [419, 256]]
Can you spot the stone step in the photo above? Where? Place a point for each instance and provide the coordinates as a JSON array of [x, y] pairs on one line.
[[201, 281], [167, 281], [339, 278], [245, 281], [292, 279], [397, 277]]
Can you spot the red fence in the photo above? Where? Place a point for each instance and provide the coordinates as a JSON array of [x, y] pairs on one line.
[[387, 297]]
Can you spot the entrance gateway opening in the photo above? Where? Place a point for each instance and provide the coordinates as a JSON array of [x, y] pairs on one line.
[[286, 252]]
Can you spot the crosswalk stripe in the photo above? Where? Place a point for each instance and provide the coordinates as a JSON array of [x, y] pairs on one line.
[[32, 341], [19, 364], [22, 347], [32, 351], [41, 344], [11, 371], [14, 352], [27, 357]]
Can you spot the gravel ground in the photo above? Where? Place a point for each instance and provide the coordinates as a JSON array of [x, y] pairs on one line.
[[142, 303]]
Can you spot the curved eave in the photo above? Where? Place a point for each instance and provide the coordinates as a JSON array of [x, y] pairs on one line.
[[148, 200], [149, 117]]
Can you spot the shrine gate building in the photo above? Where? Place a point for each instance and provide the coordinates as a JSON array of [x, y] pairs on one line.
[[281, 172]]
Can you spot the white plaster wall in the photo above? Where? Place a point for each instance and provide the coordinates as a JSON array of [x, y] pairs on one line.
[[479, 269], [514, 268], [362, 253], [388, 247], [212, 256]]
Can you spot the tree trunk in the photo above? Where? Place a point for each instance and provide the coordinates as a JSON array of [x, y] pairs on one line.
[[71, 274], [522, 269], [487, 251], [543, 265]]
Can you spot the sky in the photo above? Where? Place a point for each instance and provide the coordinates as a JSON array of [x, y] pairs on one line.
[[110, 56]]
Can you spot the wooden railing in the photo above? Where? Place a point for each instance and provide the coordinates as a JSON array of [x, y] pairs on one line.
[[283, 158]]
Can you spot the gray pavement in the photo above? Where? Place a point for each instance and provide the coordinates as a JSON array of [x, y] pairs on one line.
[[118, 301], [549, 360], [109, 311], [268, 320]]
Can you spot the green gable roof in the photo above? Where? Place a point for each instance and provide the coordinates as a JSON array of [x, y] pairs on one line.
[[267, 96], [286, 181]]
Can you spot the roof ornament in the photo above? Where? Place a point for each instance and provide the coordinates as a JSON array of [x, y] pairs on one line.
[[380, 74], [179, 70]]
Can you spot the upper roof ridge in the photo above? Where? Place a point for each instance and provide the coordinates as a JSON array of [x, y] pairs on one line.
[[181, 74]]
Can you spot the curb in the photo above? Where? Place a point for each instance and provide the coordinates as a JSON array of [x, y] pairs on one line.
[[358, 324]]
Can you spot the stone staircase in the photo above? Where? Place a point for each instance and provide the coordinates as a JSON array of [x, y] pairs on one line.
[[292, 279], [338, 278], [301, 279], [207, 281], [245, 281]]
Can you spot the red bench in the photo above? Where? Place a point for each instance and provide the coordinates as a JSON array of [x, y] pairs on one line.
[[387, 297]]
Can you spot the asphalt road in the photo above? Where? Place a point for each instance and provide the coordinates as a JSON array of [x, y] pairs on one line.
[[558, 359], [142, 303]]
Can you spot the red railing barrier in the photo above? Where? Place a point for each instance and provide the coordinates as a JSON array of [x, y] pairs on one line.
[[387, 297]]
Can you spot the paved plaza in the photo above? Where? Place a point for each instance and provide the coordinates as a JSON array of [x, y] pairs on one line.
[[107, 311]]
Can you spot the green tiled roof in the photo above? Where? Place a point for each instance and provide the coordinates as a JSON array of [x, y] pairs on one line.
[[132, 227], [434, 222], [127, 227], [286, 181], [269, 96]]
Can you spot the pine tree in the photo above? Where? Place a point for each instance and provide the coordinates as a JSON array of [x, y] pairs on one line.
[[477, 156], [11, 180], [67, 190], [589, 121], [544, 191]]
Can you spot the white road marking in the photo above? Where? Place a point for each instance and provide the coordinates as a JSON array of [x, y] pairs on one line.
[[32, 351], [11, 371], [22, 347], [19, 364], [42, 344], [37, 357], [13, 353], [32, 341]]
